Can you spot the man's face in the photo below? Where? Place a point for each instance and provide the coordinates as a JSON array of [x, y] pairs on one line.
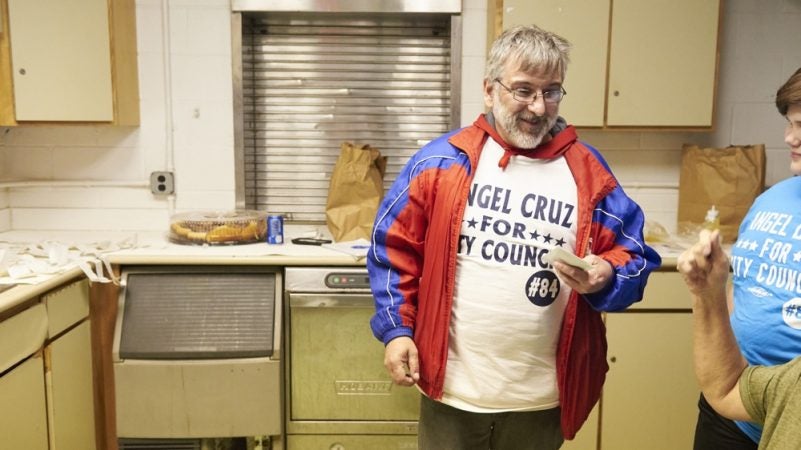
[[519, 124]]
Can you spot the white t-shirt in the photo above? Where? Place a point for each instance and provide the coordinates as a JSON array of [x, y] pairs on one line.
[[508, 303]]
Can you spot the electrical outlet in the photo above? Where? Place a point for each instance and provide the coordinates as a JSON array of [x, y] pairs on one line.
[[162, 183]]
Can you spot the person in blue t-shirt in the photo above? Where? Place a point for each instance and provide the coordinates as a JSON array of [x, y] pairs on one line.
[[765, 302]]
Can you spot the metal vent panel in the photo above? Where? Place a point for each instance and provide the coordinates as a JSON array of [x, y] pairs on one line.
[[311, 82], [198, 315], [160, 444]]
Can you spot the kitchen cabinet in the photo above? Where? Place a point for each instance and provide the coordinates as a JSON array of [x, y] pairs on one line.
[[68, 354], [23, 414], [46, 361], [72, 62], [23, 420], [634, 63], [650, 396]]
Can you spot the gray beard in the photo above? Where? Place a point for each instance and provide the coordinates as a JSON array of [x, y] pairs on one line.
[[519, 138]]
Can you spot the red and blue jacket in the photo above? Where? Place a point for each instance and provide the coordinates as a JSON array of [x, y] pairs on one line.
[[412, 261]]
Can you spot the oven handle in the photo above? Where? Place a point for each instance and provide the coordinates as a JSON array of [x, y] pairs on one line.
[[321, 300]]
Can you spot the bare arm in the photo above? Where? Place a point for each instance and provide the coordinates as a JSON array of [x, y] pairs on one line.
[[717, 358]]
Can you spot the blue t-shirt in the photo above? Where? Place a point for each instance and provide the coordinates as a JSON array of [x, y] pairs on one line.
[[766, 268]]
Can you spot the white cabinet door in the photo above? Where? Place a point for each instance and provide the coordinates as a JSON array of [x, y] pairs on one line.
[[70, 390], [586, 26], [662, 63], [61, 60], [23, 414], [650, 396], [634, 63]]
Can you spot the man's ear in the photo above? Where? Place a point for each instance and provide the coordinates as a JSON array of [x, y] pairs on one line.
[[488, 91]]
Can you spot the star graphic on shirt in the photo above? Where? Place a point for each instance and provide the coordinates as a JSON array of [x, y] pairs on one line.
[[753, 246], [797, 256], [547, 238], [472, 223], [534, 235], [560, 242]]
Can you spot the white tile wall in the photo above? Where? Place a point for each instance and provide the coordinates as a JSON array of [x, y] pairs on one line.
[[198, 147], [474, 51], [759, 50]]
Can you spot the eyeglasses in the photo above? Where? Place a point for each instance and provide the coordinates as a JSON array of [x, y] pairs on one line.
[[527, 96]]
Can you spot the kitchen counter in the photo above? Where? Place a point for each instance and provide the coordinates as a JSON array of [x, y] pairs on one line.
[[153, 248], [20, 293]]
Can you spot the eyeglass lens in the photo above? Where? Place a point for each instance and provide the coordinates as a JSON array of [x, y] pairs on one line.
[[549, 96], [527, 96]]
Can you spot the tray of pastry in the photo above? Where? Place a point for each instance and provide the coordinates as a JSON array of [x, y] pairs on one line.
[[218, 227]]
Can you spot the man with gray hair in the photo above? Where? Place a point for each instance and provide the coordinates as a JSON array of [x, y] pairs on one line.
[[494, 254]]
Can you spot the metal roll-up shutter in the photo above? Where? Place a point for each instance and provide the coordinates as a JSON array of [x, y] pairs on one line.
[[312, 82]]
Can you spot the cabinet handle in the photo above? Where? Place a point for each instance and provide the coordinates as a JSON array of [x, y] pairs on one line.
[[613, 359], [616, 93], [22, 71]]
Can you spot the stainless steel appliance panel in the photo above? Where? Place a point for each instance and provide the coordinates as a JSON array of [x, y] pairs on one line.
[[337, 364], [336, 383], [197, 352]]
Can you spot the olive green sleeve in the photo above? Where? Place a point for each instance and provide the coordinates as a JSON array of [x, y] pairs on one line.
[[753, 384]]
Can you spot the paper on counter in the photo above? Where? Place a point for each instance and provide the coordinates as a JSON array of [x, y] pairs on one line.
[[34, 262], [357, 248]]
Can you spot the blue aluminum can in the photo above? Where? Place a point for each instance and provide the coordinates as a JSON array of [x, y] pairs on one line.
[[275, 229]]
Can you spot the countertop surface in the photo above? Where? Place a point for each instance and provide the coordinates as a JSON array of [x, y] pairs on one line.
[[119, 247], [56, 257], [44, 260]]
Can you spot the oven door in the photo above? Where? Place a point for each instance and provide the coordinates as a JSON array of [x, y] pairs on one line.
[[337, 380]]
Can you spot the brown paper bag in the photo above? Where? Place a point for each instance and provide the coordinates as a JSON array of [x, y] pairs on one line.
[[356, 189], [729, 178]]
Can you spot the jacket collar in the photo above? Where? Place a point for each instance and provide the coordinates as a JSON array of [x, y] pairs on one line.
[[561, 136]]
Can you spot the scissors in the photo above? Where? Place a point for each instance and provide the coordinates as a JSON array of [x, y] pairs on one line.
[[310, 241]]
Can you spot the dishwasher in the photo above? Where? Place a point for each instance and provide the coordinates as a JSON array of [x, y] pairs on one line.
[[338, 393]]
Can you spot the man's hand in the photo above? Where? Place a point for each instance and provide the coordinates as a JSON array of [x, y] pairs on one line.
[[704, 266], [400, 359], [585, 281]]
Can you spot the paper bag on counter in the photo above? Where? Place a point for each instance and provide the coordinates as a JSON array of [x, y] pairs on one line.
[[729, 178], [356, 189]]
